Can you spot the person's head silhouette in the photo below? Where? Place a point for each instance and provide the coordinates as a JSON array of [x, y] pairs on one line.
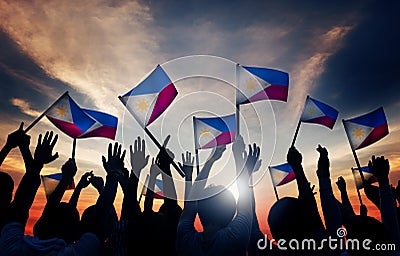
[[287, 219], [6, 189], [217, 208], [61, 221]]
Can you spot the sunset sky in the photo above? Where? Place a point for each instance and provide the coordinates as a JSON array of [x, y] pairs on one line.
[[343, 53]]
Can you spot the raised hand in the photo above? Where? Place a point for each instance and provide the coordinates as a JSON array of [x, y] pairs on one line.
[[85, 179], [44, 148], [69, 169], [97, 182], [138, 156], [187, 164], [294, 157], [238, 147], [115, 163], [217, 154], [323, 163], [165, 156], [252, 158], [18, 138], [341, 184], [380, 168], [154, 169]]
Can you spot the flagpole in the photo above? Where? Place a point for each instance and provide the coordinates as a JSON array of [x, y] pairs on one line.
[[73, 148], [237, 105], [44, 113], [155, 141], [296, 132], [354, 154], [358, 190], [196, 145], [144, 187], [272, 180], [299, 123]]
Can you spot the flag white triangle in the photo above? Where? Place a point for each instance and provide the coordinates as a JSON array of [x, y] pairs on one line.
[[205, 133], [357, 133], [141, 106], [61, 110], [311, 111]]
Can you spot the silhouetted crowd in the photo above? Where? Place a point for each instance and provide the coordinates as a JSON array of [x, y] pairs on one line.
[[230, 226]]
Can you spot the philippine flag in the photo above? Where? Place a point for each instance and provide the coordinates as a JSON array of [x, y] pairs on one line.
[[368, 176], [151, 97], [364, 130], [318, 113], [158, 189], [255, 83], [214, 131], [105, 125], [51, 181], [281, 174], [67, 116]]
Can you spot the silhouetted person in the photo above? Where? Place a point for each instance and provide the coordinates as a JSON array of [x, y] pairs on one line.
[[19, 139], [158, 227], [296, 217], [380, 168], [224, 233], [13, 241], [59, 219]]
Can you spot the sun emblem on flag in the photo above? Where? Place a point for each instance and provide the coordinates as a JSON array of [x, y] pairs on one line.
[[279, 175], [358, 133], [142, 105], [206, 133], [251, 84], [61, 111], [312, 111]]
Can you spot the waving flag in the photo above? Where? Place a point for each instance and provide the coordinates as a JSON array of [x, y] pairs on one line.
[[105, 125], [319, 113], [158, 189], [368, 176], [256, 84], [281, 174], [364, 130], [151, 97], [51, 181], [67, 116], [214, 131]]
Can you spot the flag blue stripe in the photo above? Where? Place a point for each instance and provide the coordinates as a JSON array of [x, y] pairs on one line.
[[81, 120], [271, 76], [373, 119], [154, 83], [283, 167], [364, 169], [223, 124], [328, 110], [55, 176], [103, 118]]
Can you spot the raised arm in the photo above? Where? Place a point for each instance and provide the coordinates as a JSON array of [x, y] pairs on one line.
[[165, 158], [15, 139], [148, 201], [294, 158], [380, 168], [330, 207], [114, 167], [83, 183], [129, 184], [348, 211], [187, 168], [68, 170], [30, 182]]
